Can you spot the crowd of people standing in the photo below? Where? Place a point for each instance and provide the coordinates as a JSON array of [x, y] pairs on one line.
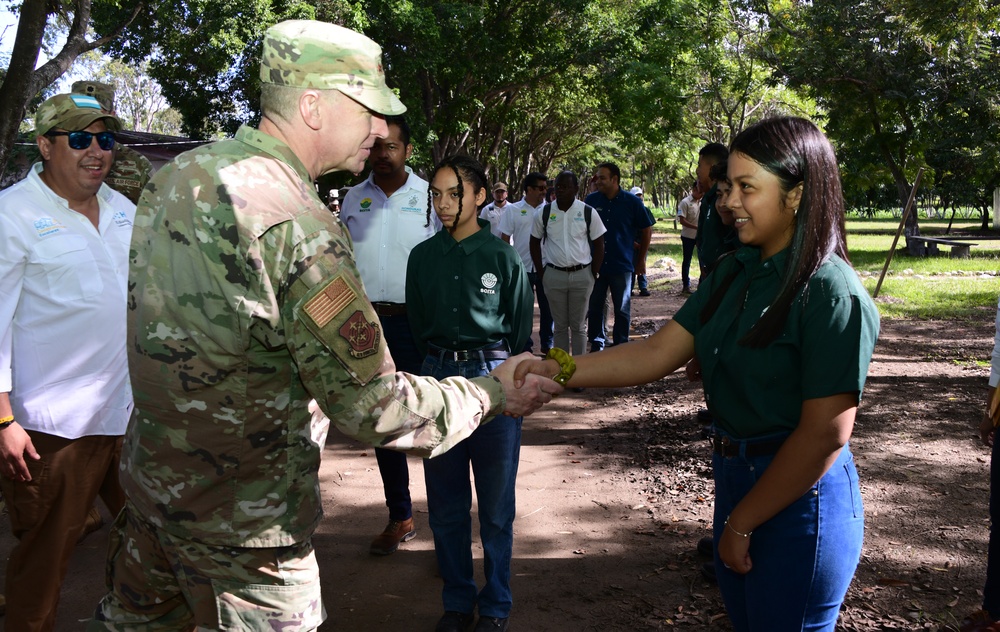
[[239, 319]]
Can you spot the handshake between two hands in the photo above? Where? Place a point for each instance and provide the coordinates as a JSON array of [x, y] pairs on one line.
[[527, 383]]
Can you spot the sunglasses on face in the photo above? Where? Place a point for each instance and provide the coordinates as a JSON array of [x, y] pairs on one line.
[[82, 140]]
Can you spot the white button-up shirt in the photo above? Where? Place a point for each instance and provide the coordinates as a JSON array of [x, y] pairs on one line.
[[492, 214], [566, 240], [62, 310], [516, 221], [384, 231]]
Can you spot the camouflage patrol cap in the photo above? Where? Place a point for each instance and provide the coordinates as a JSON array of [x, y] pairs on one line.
[[310, 54], [103, 92], [72, 112]]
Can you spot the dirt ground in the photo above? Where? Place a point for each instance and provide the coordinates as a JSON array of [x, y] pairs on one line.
[[614, 491]]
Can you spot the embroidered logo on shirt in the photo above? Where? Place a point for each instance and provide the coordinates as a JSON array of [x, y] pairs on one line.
[[524, 211], [362, 335], [414, 200], [121, 219], [489, 282], [47, 226], [366, 204], [324, 306]]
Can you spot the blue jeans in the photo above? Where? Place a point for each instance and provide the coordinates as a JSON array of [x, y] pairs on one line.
[[391, 464], [803, 558], [621, 301], [643, 283], [991, 591], [546, 326], [493, 451], [687, 245]]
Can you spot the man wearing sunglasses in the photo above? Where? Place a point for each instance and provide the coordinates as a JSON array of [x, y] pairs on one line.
[[130, 170], [65, 397]]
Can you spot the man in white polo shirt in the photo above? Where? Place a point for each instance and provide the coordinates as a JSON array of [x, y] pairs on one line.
[[386, 216], [65, 396], [493, 211], [515, 228], [571, 242]]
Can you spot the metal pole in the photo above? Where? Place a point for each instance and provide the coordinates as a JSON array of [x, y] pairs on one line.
[[899, 231]]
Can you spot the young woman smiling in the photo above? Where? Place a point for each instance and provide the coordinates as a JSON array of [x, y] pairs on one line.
[[784, 332]]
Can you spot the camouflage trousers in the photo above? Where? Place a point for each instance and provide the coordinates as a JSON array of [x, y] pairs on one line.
[[157, 581]]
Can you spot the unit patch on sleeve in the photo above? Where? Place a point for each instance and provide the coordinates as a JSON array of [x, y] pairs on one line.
[[341, 318], [361, 334]]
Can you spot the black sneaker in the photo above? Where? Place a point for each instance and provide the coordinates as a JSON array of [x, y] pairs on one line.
[[454, 622], [491, 624], [644, 293]]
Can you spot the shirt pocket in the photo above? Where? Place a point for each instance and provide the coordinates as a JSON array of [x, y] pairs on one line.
[[411, 228], [68, 267]]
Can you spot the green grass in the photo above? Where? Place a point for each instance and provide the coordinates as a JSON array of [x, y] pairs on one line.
[[915, 287]]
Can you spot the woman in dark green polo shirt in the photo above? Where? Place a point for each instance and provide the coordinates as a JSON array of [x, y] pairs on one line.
[[469, 302], [784, 331]]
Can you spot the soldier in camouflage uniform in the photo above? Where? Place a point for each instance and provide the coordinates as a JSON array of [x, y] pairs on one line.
[[245, 305]]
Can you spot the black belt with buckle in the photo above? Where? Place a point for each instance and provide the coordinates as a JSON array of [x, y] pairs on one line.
[[390, 309], [568, 269], [499, 353], [725, 446]]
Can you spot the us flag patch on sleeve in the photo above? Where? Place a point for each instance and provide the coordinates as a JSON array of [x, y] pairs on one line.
[[330, 301], [340, 317]]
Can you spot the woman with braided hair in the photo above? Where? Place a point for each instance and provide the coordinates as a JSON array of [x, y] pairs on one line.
[[470, 303]]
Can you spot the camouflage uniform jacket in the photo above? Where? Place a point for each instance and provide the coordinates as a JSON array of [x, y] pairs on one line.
[[129, 173], [245, 304]]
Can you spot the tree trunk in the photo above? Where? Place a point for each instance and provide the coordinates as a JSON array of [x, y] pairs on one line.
[[15, 90], [23, 81]]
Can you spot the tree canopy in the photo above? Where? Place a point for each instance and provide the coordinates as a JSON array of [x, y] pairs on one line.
[[527, 85]]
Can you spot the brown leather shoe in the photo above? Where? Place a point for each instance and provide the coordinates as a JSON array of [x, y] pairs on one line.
[[395, 532], [979, 621], [93, 523]]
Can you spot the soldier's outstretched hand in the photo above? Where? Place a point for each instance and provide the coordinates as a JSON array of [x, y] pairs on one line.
[[533, 390]]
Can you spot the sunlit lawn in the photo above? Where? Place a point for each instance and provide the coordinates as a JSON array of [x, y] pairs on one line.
[[915, 287]]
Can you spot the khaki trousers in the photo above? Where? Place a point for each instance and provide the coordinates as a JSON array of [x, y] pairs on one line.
[[47, 515]]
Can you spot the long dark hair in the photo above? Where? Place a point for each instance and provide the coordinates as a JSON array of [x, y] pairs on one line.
[[796, 152], [466, 168]]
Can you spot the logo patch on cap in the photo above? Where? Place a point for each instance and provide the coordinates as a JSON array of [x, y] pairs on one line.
[[85, 101]]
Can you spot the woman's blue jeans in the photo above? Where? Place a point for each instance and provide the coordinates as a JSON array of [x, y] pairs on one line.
[[803, 558], [493, 451]]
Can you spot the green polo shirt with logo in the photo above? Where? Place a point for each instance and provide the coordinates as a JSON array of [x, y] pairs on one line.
[[467, 294], [823, 350]]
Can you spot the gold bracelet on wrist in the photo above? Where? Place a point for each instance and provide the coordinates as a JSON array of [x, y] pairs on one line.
[[567, 366], [733, 529]]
